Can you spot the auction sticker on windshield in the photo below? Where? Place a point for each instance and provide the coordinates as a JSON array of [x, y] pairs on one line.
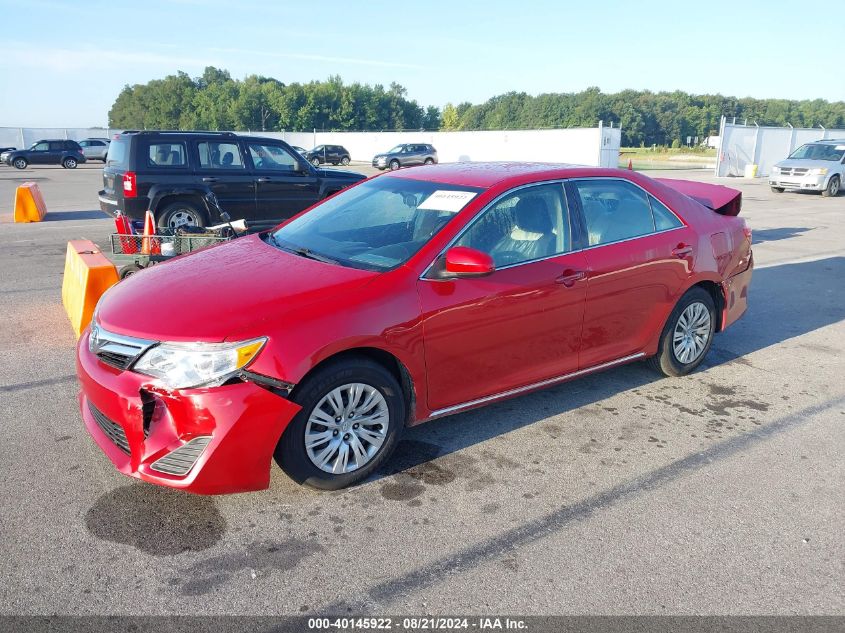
[[452, 201]]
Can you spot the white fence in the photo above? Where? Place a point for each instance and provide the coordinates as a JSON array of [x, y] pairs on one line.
[[743, 145], [597, 146]]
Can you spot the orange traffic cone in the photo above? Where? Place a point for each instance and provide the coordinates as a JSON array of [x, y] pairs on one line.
[[630, 165], [150, 245]]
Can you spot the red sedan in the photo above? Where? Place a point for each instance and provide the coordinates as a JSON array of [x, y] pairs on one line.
[[410, 296]]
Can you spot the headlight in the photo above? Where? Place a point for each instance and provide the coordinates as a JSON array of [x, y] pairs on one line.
[[775, 169], [818, 171], [185, 365]]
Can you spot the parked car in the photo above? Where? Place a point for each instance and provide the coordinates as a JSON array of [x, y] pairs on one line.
[[406, 155], [407, 297], [68, 154], [299, 149], [187, 178], [322, 154], [818, 166], [95, 148]]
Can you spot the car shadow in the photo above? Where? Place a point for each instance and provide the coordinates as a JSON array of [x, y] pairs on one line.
[[773, 235], [60, 216], [780, 308]]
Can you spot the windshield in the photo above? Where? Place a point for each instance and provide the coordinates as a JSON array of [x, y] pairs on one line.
[[396, 150], [377, 225], [819, 151]]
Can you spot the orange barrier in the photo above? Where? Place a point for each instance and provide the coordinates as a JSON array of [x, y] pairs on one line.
[[29, 205], [88, 274]]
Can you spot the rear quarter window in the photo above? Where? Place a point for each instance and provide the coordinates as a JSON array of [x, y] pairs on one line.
[[167, 155]]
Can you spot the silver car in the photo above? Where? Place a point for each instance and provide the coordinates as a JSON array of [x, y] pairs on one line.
[[818, 166], [95, 148]]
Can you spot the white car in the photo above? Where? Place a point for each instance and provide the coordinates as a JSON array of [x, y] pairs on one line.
[[95, 148], [818, 166]]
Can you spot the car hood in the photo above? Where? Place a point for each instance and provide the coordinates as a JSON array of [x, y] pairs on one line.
[[211, 294], [340, 174], [807, 163]]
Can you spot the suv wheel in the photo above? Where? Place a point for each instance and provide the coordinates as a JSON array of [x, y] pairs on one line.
[[352, 415], [315, 161], [180, 214], [344, 161], [69, 163], [20, 163], [394, 165], [832, 187], [429, 161]]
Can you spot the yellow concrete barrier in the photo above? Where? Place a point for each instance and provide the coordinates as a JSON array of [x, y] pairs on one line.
[[88, 274], [29, 205]]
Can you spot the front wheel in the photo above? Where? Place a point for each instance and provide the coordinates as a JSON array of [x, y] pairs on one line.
[[777, 189], [69, 163], [688, 334], [394, 165], [429, 161], [352, 415], [345, 161], [315, 162], [832, 188], [20, 163]]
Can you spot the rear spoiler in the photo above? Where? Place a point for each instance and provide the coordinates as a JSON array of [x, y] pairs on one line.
[[723, 200]]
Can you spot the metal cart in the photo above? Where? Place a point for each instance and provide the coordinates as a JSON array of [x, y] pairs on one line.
[[131, 253]]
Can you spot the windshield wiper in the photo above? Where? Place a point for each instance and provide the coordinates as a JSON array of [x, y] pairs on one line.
[[307, 252]]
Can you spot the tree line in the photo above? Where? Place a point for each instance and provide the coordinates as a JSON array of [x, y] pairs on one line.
[[216, 101]]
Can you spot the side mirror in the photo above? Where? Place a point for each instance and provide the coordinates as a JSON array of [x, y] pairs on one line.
[[462, 261]]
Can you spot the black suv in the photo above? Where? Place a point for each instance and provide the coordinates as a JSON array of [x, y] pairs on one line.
[[322, 154], [406, 155], [68, 154], [191, 177]]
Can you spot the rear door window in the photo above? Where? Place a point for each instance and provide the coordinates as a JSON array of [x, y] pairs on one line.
[[215, 155], [614, 210], [167, 155], [56, 146]]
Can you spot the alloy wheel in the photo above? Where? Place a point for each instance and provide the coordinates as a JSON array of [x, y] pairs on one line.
[[692, 332], [347, 428], [182, 217]]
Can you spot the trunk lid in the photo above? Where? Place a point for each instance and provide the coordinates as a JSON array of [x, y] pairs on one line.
[[723, 200]]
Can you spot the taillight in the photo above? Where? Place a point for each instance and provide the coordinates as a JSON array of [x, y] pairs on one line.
[[747, 231], [130, 189]]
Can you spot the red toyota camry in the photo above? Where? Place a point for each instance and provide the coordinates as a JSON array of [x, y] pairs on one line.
[[410, 296]]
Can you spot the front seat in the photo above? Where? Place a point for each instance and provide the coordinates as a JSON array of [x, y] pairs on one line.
[[228, 159], [531, 236]]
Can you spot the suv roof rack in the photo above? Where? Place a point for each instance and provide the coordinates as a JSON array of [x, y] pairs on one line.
[[197, 132]]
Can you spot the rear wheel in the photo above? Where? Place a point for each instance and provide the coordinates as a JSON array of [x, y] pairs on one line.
[[832, 188], [688, 334], [20, 163], [777, 189], [429, 161], [352, 416], [315, 162], [180, 214], [394, 165], [69, 163], [344, 161]]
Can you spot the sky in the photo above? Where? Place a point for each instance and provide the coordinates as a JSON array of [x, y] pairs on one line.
[[64, 62]]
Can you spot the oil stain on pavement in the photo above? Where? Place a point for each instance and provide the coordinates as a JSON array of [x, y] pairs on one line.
[[157, 521]]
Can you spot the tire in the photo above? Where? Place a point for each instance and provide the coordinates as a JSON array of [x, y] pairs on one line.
[[69, 163], [129, 270], [667, 360], [345, 161], [832, 189], [312, 395], [394, 165], [777, 189], [429, 161], [20, 163], [315, 162], [180, 213]]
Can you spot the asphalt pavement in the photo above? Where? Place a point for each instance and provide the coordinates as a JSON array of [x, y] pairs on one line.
[[619, 493]]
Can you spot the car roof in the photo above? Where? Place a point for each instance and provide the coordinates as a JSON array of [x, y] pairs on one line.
[[486, 175], [827, 141]]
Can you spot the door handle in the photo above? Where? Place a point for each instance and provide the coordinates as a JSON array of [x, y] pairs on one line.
[[682, 250], [569, 277], [209, 179], [263, 179]]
